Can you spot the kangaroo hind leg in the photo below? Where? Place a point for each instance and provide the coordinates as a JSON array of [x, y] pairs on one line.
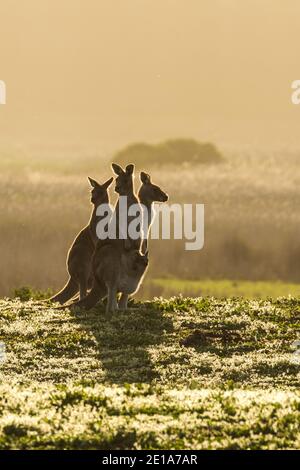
[[97, 292], [82, 287], [112, 303], [123, 302]]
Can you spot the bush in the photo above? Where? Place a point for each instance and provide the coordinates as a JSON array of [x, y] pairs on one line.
[[26, 293], [170, 152]]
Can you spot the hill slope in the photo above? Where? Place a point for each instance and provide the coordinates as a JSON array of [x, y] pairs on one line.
[[178, 373]]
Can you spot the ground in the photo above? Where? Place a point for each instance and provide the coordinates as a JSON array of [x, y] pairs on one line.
[[167, 287], [193, 373]]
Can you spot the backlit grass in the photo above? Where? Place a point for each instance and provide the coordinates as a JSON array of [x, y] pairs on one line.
[[222, 288], [178, 373]]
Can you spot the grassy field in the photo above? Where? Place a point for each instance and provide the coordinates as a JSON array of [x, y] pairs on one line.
[[252, 219], [215, 288], [178, 373]]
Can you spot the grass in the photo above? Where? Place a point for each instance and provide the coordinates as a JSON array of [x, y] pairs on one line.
[[221, 288], [193, 373], [252, 219]]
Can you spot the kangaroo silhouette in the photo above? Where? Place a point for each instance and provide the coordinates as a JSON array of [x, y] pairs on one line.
[[121, 271], [123, 242], [80, 255], [124, 187], [148, 194]]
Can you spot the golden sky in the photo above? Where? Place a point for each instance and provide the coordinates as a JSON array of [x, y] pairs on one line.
[[106, 72]]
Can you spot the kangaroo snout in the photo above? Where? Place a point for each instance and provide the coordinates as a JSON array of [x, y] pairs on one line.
[[164, 198]]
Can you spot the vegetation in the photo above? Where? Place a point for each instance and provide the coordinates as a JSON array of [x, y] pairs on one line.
[[171, 152], [251, 219], [223, 288], [178, 373]]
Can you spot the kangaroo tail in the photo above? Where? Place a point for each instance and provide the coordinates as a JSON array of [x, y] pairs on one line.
[[70, 289]]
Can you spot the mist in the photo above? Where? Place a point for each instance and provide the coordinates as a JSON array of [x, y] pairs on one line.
[[99, 74]]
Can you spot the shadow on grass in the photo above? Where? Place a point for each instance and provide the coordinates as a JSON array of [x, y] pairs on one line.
[[124, 341], [223, 342]]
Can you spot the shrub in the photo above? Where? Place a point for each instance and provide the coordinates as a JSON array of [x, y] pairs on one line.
[[170, 152], [26, 293]]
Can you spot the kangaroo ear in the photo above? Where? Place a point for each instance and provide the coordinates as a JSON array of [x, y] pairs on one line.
[[108, 183], [93, 183], [129, 169], [117, 169], [145, 178]]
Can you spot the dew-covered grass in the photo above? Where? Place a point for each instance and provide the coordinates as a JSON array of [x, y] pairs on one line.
[[194, 373]]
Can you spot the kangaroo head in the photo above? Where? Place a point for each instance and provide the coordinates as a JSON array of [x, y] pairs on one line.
[[150, 192], [124, 179], [99, 193]]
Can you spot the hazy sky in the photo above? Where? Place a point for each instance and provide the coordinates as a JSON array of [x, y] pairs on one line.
[[101, 73]]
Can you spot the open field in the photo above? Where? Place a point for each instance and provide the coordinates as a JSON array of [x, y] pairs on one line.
[[252, 220], [173, 287], [205, 372], [214, 288], [199, 102], [179, 373]]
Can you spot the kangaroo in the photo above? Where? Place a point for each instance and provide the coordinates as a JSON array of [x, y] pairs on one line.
[[148, 194], [121, 271], [79, 260], [124, 187]]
